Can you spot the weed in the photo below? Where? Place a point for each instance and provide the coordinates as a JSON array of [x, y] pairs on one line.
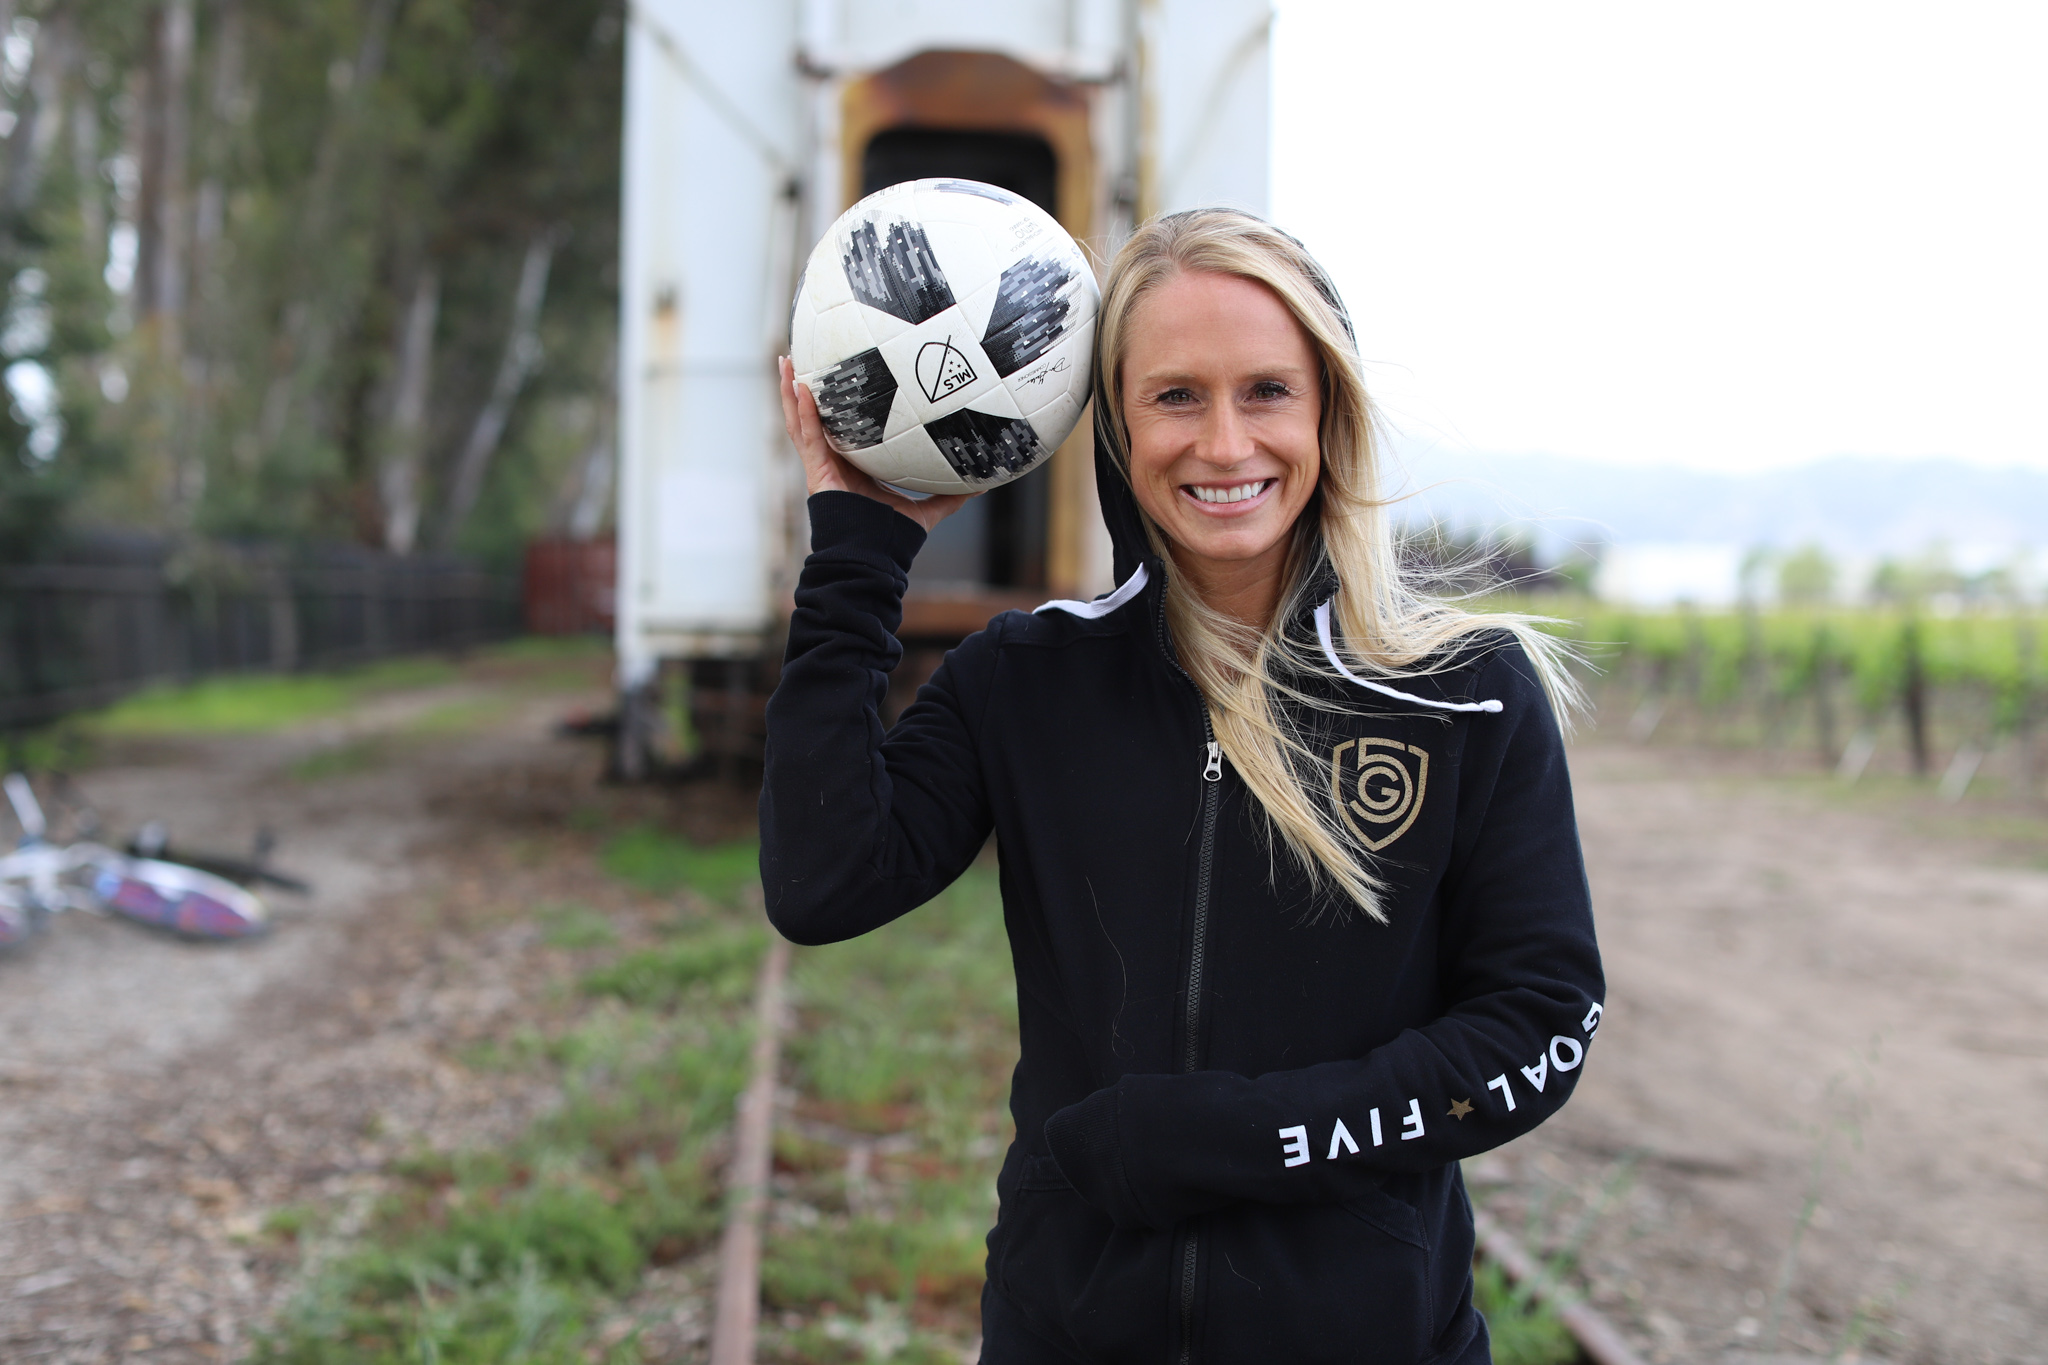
[[262, 702], [1525, 1331], [719, 960], [575, 926], [460, 717], [664, 864], [342, 760]]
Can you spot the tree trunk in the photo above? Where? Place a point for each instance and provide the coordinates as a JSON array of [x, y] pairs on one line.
[[522, 356], [585, 494], [85, 169], [163, 216], [40, 116], [398, 474], [310, 320]]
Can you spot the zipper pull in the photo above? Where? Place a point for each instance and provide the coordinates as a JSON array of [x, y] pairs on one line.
[[1214, 772]]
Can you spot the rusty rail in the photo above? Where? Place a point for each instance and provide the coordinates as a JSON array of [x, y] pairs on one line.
[[1595, 1335], [738, 1312]]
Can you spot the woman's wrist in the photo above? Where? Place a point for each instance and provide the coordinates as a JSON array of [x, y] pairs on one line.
[[840, 519]]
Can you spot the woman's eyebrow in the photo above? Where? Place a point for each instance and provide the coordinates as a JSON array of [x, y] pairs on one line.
[[1181, 376]]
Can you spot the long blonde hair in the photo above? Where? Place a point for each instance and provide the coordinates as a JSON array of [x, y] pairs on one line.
[[1393, 621]]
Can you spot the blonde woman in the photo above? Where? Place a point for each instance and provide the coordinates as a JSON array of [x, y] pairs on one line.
[[1288, 857]]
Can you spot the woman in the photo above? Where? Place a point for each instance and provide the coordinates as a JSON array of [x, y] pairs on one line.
[[1288, 859]]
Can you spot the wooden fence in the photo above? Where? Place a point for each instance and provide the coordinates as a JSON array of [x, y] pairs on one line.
[[83, 631]]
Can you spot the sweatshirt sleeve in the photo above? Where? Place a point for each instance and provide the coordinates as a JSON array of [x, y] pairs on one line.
[[859, 826], [1520, 976]]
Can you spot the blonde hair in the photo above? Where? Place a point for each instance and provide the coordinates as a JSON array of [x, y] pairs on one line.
[[1392, 620]]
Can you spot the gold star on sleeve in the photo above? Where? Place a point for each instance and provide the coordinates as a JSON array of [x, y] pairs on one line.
[[1460, 1108]]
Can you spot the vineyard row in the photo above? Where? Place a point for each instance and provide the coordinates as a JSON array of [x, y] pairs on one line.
[[1958, 696]]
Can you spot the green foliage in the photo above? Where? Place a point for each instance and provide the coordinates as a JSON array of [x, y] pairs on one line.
[[1524, 1331], [664, 864], [339, 153], [1785, 653]]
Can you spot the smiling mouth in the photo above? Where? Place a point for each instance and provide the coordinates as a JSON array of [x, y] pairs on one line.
[[1237, 492]]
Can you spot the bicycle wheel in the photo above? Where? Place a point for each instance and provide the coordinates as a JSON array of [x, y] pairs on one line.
[[181, 899]]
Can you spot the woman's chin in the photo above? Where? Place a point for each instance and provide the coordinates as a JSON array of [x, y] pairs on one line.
[[1224, 543]]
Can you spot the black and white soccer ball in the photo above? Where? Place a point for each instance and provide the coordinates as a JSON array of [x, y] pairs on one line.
[[946, 328]]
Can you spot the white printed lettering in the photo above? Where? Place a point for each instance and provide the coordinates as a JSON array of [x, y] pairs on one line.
[[1591, 1023], [1538, 1073], [1341, 1137], [1411, 1127], [1294, 1144], [1578, 1050], [1377, 1140], [1507, 1092]]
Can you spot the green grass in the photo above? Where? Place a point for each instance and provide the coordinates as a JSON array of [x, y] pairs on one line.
[[575, 926], [514, 1254], [460, 717], [257, 703], [665, 864], [900, 1062], [1524, 1331], [721, 964], [342, 760]]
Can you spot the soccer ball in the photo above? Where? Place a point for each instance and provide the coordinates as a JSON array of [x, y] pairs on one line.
[[946, 328]]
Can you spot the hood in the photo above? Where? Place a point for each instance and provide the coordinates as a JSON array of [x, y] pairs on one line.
[[1113, 491]]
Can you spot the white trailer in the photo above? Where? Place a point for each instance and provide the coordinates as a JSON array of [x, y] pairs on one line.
[[748, 128]]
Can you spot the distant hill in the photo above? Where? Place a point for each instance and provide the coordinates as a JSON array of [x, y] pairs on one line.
[[1855, 506]]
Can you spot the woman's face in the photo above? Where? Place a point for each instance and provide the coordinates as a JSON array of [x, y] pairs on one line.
[[1222, 396]]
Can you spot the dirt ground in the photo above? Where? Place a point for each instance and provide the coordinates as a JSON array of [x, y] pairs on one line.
[[1817, 1113], [1815, 1123]]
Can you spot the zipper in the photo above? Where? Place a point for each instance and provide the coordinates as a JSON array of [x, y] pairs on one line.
[[1191, 1022], [1212, 778], [1191, 1019]]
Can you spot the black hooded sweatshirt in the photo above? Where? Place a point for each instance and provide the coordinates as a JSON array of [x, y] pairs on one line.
[[1240, 1102]]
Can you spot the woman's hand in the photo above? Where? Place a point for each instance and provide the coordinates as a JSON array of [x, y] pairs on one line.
[[825, 468]]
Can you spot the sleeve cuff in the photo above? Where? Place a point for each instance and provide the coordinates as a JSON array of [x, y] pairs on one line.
[[1083, 1141], [840, 519]]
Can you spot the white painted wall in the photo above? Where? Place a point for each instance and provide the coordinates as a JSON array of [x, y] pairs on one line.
[[713, 116]]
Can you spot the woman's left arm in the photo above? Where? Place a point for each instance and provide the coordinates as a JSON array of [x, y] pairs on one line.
[[1520, 969]]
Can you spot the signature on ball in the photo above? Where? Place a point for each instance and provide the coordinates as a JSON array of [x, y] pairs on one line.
[[1057, 367]]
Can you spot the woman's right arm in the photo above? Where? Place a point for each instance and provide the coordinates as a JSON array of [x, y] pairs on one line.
[[859, 826]]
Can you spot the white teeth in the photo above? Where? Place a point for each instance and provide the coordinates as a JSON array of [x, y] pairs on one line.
[[1237, 493]]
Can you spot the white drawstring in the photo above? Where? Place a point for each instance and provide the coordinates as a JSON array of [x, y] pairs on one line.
[[1101, 606], [1330, 653]]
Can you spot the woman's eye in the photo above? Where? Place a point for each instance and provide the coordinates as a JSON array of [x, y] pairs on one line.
[[1269, 388], [1174, 398]]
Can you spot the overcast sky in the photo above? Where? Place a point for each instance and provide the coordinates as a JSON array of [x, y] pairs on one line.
[[1736, 235]]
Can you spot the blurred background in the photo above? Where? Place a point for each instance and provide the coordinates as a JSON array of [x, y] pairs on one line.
[[390, 476]]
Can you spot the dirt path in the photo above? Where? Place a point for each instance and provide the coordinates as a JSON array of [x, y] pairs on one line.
[[1809, 1002], [159, 1100]]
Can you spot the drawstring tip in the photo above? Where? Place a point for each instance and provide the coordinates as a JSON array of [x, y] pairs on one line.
[[1491, 704]]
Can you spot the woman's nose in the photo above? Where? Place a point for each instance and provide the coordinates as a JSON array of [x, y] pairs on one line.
[[1226, 439]]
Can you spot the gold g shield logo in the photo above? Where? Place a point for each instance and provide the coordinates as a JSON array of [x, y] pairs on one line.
[[1378, 785]]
